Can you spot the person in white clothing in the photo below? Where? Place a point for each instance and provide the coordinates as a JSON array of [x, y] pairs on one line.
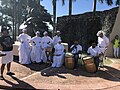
[[95, 52], [36, 48], [6, 43], [76, 50], [24, 48], [58, 58], [56, 38], [45, 42], [103, 41]]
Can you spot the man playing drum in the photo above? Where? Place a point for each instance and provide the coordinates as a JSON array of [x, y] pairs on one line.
[[95, 52], [76, 50]]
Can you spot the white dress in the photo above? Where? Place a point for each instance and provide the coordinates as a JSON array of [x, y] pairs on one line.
[[56, 39], [103, 43], [24, 49], [58, 55], [36, 49], [45, 42]]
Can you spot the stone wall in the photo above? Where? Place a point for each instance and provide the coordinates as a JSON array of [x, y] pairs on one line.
[[84, 27]]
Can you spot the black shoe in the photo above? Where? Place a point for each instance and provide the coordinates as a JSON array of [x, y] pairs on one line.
[[10, 73], [1, 78]]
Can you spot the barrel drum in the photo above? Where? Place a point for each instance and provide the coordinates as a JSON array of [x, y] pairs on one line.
[[69, 61], [89, 64]]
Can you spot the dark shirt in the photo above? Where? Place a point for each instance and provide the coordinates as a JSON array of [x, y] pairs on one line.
[[7, 43]]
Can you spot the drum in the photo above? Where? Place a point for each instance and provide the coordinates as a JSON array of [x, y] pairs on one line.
[[88, 60], [69, 61], [89, 64]]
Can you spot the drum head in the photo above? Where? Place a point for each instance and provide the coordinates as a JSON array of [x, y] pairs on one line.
[[69, 55], [87, 58]]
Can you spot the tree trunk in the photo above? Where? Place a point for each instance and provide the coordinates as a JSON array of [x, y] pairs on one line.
[[94, 6], [70, 7], [54, 16]]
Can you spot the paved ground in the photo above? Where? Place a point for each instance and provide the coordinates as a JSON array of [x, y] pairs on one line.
[[37, 76]]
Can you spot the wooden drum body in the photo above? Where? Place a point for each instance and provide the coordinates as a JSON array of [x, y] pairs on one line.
[[69, 61], [89, 64]]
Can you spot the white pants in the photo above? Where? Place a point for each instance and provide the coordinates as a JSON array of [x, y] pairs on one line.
[[103, 50], [116, 52]]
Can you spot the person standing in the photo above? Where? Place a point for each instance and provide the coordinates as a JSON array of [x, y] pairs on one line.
[[6, 43], [103, 41], [36, 48], [58, 56], [116, 46], [24, 48], [46, 42], [56, 38], [76, 50]]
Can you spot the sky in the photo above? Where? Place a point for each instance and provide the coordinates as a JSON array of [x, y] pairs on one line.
[[79, 7]]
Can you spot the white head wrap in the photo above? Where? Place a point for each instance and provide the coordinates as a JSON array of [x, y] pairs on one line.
[[45, 32], [99, 32], [24, 30], [59, 40], [37, 32], [58, 32]]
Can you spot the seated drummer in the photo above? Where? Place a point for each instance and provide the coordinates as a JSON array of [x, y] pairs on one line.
[[95, 52], [76, 50], [58, 55]]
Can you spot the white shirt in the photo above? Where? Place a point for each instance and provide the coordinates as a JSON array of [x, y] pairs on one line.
[[24, 38], [46, 41], [103, 42], [35, 41], [94, 51], [56, 39], [77, 49], [59, 49]]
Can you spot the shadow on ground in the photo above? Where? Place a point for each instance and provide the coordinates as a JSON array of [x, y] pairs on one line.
[[80, 71], [21, 84], [32, 66]]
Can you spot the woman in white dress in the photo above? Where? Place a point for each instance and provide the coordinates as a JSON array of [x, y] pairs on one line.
[[58, 58], [45, 42], [24, 49], [56, 38], [36, 48]]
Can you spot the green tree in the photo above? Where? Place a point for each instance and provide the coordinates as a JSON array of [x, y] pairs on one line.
[[28, 11]]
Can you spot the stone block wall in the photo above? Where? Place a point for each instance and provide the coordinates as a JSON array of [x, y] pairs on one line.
[[83, 27]]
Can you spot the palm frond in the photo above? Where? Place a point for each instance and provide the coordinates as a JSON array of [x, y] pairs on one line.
[[117, 2]]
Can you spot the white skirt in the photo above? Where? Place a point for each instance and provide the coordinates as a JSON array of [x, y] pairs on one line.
[[8, 58]]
